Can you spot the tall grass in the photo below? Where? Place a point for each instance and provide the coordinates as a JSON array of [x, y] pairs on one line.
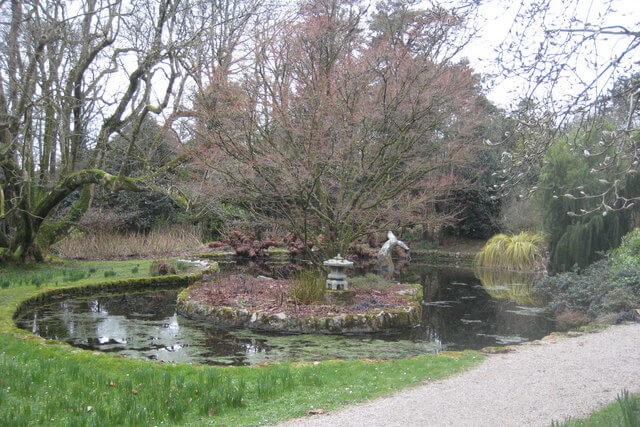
[[309, 286], [113, 245], [523, 251], [371, 281], [60, 390]]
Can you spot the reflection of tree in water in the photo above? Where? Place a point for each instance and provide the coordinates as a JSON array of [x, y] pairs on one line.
[[219, 342], [95, 321], [452, 298], [516, 315], [465, 316], [147, 305]]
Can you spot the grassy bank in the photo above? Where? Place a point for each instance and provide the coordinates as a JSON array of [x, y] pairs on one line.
[[47, 382], [624, 412]]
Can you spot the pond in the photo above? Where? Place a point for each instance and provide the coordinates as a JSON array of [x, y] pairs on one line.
[[458, 313]]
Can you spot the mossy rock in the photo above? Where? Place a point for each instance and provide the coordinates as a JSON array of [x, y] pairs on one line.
[[339, 297]]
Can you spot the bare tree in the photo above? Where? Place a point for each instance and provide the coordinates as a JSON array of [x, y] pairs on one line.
[[72, 76], [339, 130], [571, 57]]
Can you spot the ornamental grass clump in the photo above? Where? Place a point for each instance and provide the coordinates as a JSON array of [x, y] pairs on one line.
[[523, 251], [309, 286]]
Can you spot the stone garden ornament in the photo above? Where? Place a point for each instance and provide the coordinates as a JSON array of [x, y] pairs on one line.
[[385, 262], [337, 276]]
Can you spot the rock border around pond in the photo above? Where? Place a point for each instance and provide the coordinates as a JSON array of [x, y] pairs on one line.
[[378, 320]]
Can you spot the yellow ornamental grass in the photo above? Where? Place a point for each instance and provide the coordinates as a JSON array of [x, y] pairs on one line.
[[524, 251]]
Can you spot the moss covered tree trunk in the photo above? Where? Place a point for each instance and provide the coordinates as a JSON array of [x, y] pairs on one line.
[[56, 124]]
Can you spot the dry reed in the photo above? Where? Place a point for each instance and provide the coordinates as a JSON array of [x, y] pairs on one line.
[[105, 245]]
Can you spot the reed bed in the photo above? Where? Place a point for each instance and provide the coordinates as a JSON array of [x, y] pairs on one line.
[[106, 245]]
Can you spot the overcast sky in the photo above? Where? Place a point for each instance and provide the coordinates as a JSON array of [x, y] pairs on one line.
[[497, 17]]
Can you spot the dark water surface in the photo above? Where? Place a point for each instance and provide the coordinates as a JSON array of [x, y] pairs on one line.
[[458, 313]]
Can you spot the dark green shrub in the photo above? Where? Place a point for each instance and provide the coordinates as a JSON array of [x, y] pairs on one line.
[[575, 237], [618, 299], [628, 253], [611, 285]]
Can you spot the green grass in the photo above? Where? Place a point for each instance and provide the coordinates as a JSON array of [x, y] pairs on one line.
[[624, 412], [48, 382], [72, 271]]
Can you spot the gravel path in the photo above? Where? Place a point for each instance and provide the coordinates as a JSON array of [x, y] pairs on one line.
[[537, 383]]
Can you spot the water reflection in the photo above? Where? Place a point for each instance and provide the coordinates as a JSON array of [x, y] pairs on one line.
[[514, 285], [458, 313]]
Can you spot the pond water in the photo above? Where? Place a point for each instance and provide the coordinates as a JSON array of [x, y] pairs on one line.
[[458, 313]]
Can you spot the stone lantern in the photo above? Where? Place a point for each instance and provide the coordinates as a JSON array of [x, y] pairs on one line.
[[337, 276]]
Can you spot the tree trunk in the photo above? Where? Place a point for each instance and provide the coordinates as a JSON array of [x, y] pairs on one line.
[[31, 229]]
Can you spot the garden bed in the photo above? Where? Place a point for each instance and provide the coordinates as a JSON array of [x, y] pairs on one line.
[[266, 304]]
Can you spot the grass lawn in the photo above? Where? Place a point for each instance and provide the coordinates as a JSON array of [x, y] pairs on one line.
[[48, 382]]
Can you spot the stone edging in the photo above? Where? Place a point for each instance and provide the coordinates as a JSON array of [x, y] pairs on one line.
[[378, 320]]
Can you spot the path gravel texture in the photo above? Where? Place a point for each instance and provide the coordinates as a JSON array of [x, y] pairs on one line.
[[537, 383]]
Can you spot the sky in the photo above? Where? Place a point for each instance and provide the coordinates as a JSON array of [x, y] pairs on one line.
[[496, 20]]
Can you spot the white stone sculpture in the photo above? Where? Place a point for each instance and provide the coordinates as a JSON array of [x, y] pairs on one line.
[[384, 255]]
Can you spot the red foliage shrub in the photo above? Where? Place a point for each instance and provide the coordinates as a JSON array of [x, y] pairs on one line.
[[247, 245]]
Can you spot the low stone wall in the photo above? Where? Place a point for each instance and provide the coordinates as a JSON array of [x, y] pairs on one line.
[[377, 320]]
